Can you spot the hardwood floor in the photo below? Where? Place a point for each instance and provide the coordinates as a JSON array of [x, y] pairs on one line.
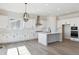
[[66, 47]]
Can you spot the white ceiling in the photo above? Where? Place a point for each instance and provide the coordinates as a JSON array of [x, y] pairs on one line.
[[53, 9]]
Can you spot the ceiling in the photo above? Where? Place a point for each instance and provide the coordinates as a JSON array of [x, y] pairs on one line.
[[54, 9]]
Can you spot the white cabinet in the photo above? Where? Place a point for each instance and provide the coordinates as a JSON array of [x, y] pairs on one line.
[[8, 36], [45, 38], [42, 38]]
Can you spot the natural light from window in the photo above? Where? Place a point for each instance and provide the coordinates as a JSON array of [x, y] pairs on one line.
[[22, 50]]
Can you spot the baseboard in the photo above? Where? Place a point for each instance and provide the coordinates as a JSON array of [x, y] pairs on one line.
[[17, 41]]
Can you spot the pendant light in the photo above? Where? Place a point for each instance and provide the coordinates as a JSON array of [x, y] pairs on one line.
[[25, 16]]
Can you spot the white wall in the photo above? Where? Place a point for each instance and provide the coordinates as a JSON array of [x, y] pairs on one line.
[[11, 34], [48, 22], [3, 21], [70, 21], [28, 29], [43, 21], [52, 23], [67, 31], [67, 20]]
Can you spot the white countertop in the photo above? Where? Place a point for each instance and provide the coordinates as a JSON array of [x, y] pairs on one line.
[[49, 33]]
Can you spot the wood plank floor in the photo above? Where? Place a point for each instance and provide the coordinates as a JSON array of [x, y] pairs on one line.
[[66, 47]]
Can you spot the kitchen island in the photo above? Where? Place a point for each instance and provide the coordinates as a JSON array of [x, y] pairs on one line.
[[47, 37]]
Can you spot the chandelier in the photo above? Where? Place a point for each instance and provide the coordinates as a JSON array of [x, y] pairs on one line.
[[25, 15]]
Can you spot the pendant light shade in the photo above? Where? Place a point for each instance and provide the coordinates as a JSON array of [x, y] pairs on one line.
[[25, 16]]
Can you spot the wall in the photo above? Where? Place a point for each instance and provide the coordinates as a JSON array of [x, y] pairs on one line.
[[52, 23], [3, 21], [12, 33], [27, 30], [48, 23], [43, 21], [70, 19]]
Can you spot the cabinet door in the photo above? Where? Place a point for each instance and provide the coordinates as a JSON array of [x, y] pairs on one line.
[[42, 38]]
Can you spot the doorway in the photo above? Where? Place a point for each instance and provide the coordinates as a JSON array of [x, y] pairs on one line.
[[65, 31]]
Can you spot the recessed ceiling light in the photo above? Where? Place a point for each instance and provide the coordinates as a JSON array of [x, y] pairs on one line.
[[38, 9], [46, 4], [58, 9]]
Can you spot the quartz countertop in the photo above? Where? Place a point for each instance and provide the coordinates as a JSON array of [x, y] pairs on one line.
[[49, 32]]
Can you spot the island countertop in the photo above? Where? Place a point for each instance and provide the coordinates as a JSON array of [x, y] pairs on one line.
[[49, 33], [48, 37]]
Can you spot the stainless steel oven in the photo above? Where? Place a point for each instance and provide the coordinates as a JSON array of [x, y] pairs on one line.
[[74, 28], [74, 32]]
